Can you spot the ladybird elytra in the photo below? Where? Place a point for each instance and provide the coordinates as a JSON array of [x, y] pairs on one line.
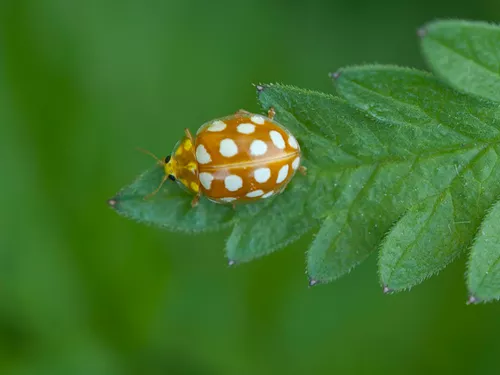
[[239, 158]]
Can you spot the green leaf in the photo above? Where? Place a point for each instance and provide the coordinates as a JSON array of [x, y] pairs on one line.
[[170, 208], [421, 243], [465, 54], [338, 171], [307, 200], [397, 145], [483, 278], [277, 225], [441, 154]]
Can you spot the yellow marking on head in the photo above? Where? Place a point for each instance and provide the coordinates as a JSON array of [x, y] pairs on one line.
[[187, 144], [195, 187], [184, 182], [178, 151], [170, 167], [192, 167]]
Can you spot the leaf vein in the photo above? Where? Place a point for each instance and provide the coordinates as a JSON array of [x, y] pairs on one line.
[[347, 222], [479, 63], [414, 106], [419, 236]]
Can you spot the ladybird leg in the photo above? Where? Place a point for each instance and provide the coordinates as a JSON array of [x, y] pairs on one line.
[[271, 113], [189, 135], [165, 178], [303, 170], [234, 206], [195, 200], [242, 112]]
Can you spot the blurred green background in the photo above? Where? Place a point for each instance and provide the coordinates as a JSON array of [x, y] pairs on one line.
[[84, 291]]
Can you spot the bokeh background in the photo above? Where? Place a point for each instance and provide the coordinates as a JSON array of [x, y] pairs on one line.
[[84, 291]]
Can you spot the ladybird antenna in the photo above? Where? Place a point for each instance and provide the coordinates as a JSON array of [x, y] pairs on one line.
[[151, 154], [165, 177]]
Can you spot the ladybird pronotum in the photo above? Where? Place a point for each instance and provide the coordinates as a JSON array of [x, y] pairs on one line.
[[240, 158]]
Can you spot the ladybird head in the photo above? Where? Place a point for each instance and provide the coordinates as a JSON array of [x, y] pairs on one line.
[[169, 165], [173, 169], [182, 167]]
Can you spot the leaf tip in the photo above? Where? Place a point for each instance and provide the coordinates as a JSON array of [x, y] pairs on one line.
[[259, 88], [422, 32], [313, 282], [472, 300], [112, 202], [387, 290], [334, 75]]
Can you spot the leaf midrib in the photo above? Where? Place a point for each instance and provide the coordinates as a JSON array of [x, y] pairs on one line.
[[431, 118], [366, 186], [494, 264], [440, 198], [465, 57], [396, 159], [438, 201], [400, 159]]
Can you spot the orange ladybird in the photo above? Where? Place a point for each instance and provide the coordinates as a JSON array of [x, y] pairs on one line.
[[239, 158]]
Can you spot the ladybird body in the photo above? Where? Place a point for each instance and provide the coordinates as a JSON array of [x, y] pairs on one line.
[[239, 158]]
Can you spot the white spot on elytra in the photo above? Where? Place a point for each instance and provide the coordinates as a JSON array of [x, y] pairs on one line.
[[217, 126], [295, 163], [206, 180], [228, 148], [228, 199], [245, 128], [256, 193], [257, 119], [268, 194], [293, 142], [262, 175], [282, 174], [277, 139], [233, 182], [202, 156], [258, 147]]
